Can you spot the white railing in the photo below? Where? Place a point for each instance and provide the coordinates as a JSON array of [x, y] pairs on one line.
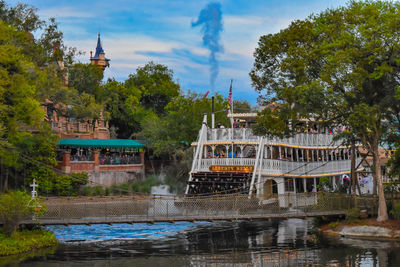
[[206, 163], [305, 168], [197, 159], [280, 167], [246, 135], [225, 134]]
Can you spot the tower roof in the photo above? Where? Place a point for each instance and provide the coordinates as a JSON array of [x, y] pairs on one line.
[[99, 48]]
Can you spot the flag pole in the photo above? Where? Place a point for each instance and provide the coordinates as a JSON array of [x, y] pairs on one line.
[[231, 97]]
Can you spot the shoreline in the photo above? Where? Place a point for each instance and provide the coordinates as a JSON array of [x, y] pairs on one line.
[[26, 241], [363, 229]]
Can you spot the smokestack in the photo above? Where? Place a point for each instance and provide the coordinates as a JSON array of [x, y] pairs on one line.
[[212, 114], [91, 54], [211, 20]]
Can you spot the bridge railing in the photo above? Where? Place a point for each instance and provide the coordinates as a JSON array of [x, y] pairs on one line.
[[226, 207]]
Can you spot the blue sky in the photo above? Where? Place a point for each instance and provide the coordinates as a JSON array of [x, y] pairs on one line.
[[136, 32]]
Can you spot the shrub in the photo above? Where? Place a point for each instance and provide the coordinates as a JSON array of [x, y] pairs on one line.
[[98, 191], [51, 183], [107, 191], [25, 241], [145, 185], [324, 184], [333, 225], [353, 214], [395, 212], [86, 191], [16, 206]]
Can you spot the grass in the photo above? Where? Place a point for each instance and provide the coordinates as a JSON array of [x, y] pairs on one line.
[[26, 241]]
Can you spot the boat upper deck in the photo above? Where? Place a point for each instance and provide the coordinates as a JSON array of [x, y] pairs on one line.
[[245, 136]]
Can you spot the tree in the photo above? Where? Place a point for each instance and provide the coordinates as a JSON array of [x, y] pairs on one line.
[[142, 97], [155, 81], [122, 104], [29, 74], [16, 206], [341, 66], [171, 134], [242, 106], [86, 78]]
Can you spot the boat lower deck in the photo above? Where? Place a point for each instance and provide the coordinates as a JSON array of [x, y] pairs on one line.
[[219, 183]]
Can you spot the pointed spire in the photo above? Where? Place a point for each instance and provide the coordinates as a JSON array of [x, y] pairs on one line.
[[99, 48], [99, 56]]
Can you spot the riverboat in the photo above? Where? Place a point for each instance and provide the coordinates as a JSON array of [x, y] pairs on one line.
[[234, 160]]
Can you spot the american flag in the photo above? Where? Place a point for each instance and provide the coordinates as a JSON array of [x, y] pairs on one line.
[[230, 96]]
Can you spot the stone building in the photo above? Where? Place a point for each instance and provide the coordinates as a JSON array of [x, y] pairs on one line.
[[85, 146]]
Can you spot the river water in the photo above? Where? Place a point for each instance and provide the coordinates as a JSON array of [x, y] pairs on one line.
[[292, 242]]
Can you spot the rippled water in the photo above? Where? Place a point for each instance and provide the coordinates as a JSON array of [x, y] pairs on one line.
[[290, 242]]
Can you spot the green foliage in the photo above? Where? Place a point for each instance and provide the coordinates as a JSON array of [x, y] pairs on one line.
[[98, 191], [395, 212], [353, 214], [29, 75], [16, 206], [334, 67], [177, 174], [333, 225], [123, 106], [51, 183], [155, 81], [25, 241], [86, 78], [107, 191], [144, 186], [86, 191], [169, 136], [324, 184]]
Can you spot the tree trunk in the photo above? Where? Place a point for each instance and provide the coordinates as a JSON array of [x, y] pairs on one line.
[[382, 209]]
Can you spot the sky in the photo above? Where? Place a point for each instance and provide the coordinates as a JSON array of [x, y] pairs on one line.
[[134, 32]]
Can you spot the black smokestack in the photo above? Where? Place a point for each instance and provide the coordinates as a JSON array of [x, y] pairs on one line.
[[211, 20]]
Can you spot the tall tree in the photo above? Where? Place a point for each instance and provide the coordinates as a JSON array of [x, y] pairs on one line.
[[341, 66], [155, 81], [86, 78], [30, 73], [122, 104], [169, 135]]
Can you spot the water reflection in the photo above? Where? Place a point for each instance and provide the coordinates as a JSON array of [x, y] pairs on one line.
[[259, 243]]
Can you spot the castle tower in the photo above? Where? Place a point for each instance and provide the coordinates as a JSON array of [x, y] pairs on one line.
[[99, 58]]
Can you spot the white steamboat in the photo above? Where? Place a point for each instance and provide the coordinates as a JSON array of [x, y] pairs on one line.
[[234, 160]]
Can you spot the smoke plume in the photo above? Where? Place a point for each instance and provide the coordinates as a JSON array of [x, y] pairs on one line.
[[211, 20]]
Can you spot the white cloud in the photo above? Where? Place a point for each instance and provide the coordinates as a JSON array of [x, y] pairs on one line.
[[125, 53]]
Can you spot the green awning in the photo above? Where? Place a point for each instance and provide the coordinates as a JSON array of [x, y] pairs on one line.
[[99, 143]]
